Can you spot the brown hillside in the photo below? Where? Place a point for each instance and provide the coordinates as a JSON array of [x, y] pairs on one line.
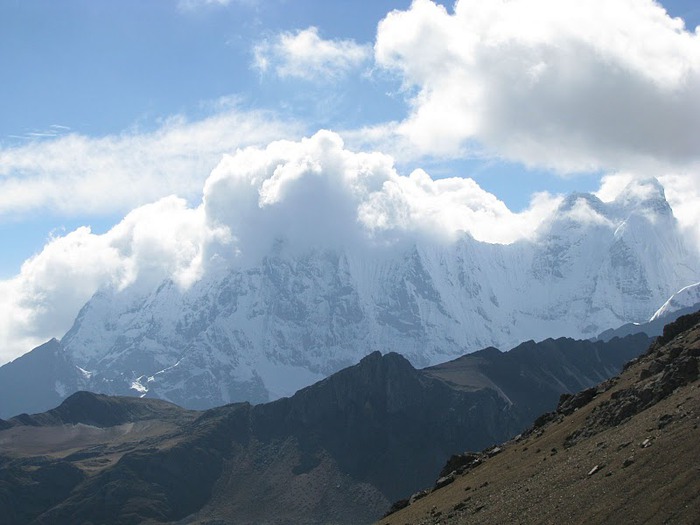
[[630, 455]]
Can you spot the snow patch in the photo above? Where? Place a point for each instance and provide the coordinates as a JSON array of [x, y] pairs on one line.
[[140, 388], [85, 373], [60, 389]]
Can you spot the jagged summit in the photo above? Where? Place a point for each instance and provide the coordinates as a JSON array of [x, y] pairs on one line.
[[645, 198], [646, 195], [575, 198]]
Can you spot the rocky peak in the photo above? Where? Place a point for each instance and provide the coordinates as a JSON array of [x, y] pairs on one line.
[[386, 383], [37, 380], [577, 198], [645, 195]]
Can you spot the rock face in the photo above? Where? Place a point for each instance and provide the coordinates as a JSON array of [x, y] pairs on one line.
[[261, 331], [38, 380], [624, 451], [664, 368], [532, 375], [336, 452]]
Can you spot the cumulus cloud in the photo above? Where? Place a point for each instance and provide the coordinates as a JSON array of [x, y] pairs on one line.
[[305, 55], [316, 191], [165, 239], [683, 194], [563, 84], [312, 192], [75, 174]]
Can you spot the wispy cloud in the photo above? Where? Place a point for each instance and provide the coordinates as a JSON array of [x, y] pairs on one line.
[[53, 131], [73, 174], [305, 55]]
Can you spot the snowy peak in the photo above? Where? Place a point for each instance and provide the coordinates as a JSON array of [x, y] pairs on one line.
[[640, 200], [646, 199], [576, 200], [685, 298], [644, 196]]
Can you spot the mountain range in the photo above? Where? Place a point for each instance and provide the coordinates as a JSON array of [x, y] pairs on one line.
[[338, 451], [261, 330]]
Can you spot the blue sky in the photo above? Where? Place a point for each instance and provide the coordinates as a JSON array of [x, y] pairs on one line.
[[108, 106], [101, 67]]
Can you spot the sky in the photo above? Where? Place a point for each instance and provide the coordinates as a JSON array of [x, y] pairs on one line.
[[134, 135]]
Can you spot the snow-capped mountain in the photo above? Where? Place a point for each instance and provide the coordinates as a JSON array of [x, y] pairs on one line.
[[686, 297], [261, 330]]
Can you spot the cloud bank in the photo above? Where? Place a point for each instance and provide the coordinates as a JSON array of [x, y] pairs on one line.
[[312, 192], [562, 84]]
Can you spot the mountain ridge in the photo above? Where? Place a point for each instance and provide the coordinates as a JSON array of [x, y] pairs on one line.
[[336, 452]]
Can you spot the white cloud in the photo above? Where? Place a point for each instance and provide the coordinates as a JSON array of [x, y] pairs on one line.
[[316, 191], [313, 192], [165, 239], [683, 194], [446, 208], [583, 213], [75, 174], [563, 84], [611, 185], [306, 55]]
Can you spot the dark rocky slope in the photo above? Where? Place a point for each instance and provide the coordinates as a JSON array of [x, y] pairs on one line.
[[532, 375], [336, 452], [625, 451]]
